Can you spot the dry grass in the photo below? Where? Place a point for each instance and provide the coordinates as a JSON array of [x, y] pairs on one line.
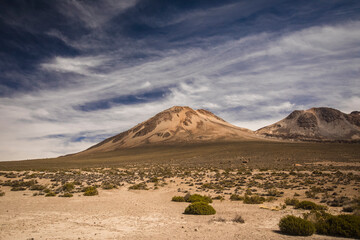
[[274, 155]]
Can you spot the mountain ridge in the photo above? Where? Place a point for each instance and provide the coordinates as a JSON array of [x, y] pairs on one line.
[[316, 124]]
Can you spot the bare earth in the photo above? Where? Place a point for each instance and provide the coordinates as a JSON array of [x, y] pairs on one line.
[[124, 214]]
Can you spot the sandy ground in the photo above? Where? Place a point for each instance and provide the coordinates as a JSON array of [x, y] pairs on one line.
[[124, 214]]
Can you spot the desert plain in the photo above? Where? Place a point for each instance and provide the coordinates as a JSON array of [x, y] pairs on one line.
[[134, 201]]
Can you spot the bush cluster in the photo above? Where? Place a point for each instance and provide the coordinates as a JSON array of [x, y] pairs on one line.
[[139, 186], [178, 199], [68, 187], [236, 197], [253, 199], [90, 191], [308, 205], [331, 225], [108, 186], [50, 194], [200, 208], [291, 202], [67, 194], [296, 226]]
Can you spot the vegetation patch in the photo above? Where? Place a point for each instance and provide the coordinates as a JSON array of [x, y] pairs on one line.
[[50, 194], [68, 187], [308, 205], [67, 194], [331, 225], [200, 208], [178, 199], [236, 197], [108, 186], [291, 201], [254, 199], [139, 186], [296, 226], [90, 191]]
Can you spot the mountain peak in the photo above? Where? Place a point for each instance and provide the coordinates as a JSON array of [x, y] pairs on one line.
[[178, 124]]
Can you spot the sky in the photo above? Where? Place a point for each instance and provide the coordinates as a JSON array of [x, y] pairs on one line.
[[73, 73]]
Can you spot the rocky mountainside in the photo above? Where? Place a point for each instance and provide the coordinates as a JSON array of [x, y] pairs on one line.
[[176, 125], [316, 124]]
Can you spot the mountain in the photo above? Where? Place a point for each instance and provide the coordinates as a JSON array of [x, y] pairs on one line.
[[316, 124], [173, 126]]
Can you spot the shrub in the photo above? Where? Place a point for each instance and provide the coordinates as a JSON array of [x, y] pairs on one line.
[[235, 197], [291, 202], [37, 187], [218, 197], [108, 186], [307, 205], [341, 225], [2, 193], [90, 191], [50, 194], [178, 199], [238, 219], [139, 186], [67, 194], [18, 189], [199, 198], [296, 226], [200, 208], [254, 199], [68, 187]]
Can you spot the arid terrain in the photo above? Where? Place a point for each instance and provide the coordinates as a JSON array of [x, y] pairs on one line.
[[32, 207]]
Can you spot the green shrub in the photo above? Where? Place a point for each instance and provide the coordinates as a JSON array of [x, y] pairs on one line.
[[307, 205], [108, 186], [200, 208], [331, 225], [178, 199], [296, 226], [67, 194], [37, 187], [139, 186], [235, 197], [68, 187], [50, 194], [199, 198], [2, 193], [218, 197], [90, 191], [18, 189], [254, 199], [291, 202]]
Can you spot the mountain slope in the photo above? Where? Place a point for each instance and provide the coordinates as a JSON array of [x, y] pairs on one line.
[[175, 125], [320, 124]]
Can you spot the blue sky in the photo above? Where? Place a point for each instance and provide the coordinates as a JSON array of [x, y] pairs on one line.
[[76, 72]]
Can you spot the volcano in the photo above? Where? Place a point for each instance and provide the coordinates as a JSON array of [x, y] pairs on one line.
[[176, 125]]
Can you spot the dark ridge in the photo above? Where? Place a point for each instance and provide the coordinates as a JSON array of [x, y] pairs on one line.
[[307, 120], [328, 114], [294, 114]]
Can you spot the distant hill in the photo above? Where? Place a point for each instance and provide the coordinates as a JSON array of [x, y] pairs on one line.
[[316, 124], [176, 125]]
